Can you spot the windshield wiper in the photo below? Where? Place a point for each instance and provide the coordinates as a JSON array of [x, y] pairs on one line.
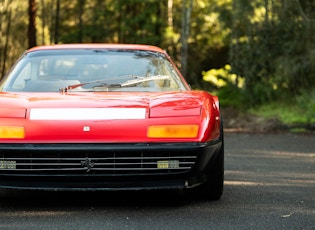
[[103, 83], [131, 83], [137, 80], [71, 87]]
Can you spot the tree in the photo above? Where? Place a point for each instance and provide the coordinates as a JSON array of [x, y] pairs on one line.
[[57, 18], [6, 16], [81, 12], [32, 24], [187, 8]]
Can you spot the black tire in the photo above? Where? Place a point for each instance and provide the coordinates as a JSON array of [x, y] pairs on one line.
[[212, 189]]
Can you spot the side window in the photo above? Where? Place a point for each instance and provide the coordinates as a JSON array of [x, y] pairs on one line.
[[43, 67], [23, 76]]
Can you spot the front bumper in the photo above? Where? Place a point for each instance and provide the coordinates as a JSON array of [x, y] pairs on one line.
[[106, 166]]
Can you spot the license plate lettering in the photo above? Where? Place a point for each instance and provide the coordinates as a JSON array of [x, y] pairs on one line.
[[172, 164], [7, 164]]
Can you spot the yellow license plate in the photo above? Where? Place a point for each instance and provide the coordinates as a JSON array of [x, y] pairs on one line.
[[173, 164], [7, 164]]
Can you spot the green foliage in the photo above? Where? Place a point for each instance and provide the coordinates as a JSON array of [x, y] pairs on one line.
[[305, 103], [288, 114], [294, 110], [227, 86], [232, 96], [272, 47], [223, 76]]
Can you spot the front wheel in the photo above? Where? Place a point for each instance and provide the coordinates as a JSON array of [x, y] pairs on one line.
[[212, 189]]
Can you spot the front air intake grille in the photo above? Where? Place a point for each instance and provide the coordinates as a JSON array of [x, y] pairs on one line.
[[94, 161]]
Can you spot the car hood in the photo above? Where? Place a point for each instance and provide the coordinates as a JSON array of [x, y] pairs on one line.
[[102, 117], [162, 104]]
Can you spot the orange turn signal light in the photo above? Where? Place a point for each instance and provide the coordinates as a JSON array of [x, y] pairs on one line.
[[173, 131], [12, 132]]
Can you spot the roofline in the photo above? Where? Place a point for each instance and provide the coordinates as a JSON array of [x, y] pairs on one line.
[[97, 46]]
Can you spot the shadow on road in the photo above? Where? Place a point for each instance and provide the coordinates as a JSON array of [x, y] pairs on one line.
[[13, 199]]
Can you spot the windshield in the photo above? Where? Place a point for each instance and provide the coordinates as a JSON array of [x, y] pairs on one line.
[[93, 70]]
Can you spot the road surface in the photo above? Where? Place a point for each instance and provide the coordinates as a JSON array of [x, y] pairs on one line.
[[269, 184]]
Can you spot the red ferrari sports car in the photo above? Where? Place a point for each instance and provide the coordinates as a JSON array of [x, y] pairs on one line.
[[107, 117]]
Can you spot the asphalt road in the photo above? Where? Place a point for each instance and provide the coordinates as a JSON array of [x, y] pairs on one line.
[[269, 184]]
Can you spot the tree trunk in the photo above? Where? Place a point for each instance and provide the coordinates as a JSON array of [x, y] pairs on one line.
[[43, 13], [56, 36], [81, 10], [187, 7], [32, 23], [3, 69], [170, 13]]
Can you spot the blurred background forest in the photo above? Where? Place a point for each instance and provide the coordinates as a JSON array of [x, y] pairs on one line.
[[252, 54]]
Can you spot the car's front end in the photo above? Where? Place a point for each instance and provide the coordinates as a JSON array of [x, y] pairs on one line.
[[109, 137]]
